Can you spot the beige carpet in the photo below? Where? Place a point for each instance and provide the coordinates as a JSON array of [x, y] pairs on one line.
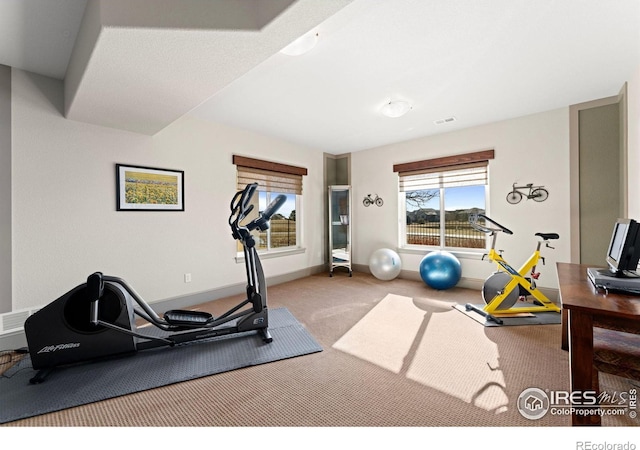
[[405, 335], [396, 354]]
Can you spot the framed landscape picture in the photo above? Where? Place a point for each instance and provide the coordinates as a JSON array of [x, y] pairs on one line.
[[149, 189]]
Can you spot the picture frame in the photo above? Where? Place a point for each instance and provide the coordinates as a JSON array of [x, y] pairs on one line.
[[140, 188]]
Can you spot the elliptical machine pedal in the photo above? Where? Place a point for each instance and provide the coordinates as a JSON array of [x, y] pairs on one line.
[[186, 318]]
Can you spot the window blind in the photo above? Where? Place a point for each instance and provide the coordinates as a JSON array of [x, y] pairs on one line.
[[272, 177], [468, 169], [454, 176]]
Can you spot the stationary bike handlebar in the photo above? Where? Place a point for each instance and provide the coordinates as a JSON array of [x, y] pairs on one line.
[[473, 221]]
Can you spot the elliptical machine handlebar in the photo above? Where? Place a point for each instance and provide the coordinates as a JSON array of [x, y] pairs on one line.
[[241, 207], [240, 204], [262, 222]]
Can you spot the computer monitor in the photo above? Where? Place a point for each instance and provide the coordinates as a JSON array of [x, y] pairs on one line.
[[624, 249]]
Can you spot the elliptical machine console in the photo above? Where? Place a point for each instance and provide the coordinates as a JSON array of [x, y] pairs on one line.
[[97, 319]]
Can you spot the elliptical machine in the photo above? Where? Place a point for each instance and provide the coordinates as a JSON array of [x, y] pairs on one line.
[[97, 319]]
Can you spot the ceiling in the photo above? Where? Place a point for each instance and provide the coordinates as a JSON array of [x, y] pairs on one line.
[[131, 66]]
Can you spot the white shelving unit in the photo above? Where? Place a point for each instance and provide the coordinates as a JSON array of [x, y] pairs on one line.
[[340, 227]]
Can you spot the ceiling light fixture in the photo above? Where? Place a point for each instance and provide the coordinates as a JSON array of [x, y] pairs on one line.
[[301, 45], [396, 108]]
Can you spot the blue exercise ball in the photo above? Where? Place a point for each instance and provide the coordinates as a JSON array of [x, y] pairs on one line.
[[440, 270]]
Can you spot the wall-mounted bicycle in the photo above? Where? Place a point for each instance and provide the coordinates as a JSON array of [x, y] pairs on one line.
[[369, 200], [537, 193]]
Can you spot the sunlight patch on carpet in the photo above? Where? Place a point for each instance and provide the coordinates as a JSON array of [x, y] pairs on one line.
[[421, 339], [385, 335]]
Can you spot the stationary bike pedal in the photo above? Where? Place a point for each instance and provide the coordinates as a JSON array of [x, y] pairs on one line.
[[187, 318]]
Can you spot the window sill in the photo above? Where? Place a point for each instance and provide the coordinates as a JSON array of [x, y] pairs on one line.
[[458, 253], [274, 254]]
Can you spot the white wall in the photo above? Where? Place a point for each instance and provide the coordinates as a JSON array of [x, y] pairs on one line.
[[5, 188], [65, 223], [531, 149], [65, 226], [633, 143]]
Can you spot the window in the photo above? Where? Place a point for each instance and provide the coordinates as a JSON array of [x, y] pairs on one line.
[[436, 198], [282, 231], [273, 179]]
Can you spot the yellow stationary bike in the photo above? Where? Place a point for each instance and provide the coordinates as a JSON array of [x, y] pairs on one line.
[[502, 290]]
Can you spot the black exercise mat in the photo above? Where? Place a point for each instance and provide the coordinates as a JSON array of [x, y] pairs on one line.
[[538, 318], [87, 383]]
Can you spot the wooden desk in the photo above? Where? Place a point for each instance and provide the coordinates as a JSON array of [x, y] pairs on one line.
[[583, 308]]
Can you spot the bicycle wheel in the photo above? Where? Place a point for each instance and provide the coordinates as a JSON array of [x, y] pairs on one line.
[[514, 197], [539, 194], [379, 202], [367, 201]]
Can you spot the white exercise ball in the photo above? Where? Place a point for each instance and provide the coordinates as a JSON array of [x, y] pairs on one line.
[[385, 264]]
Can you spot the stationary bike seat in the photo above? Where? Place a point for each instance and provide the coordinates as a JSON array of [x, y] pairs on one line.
[[547, 236]]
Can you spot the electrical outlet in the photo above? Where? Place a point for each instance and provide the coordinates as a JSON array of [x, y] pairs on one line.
[[187, 278]]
